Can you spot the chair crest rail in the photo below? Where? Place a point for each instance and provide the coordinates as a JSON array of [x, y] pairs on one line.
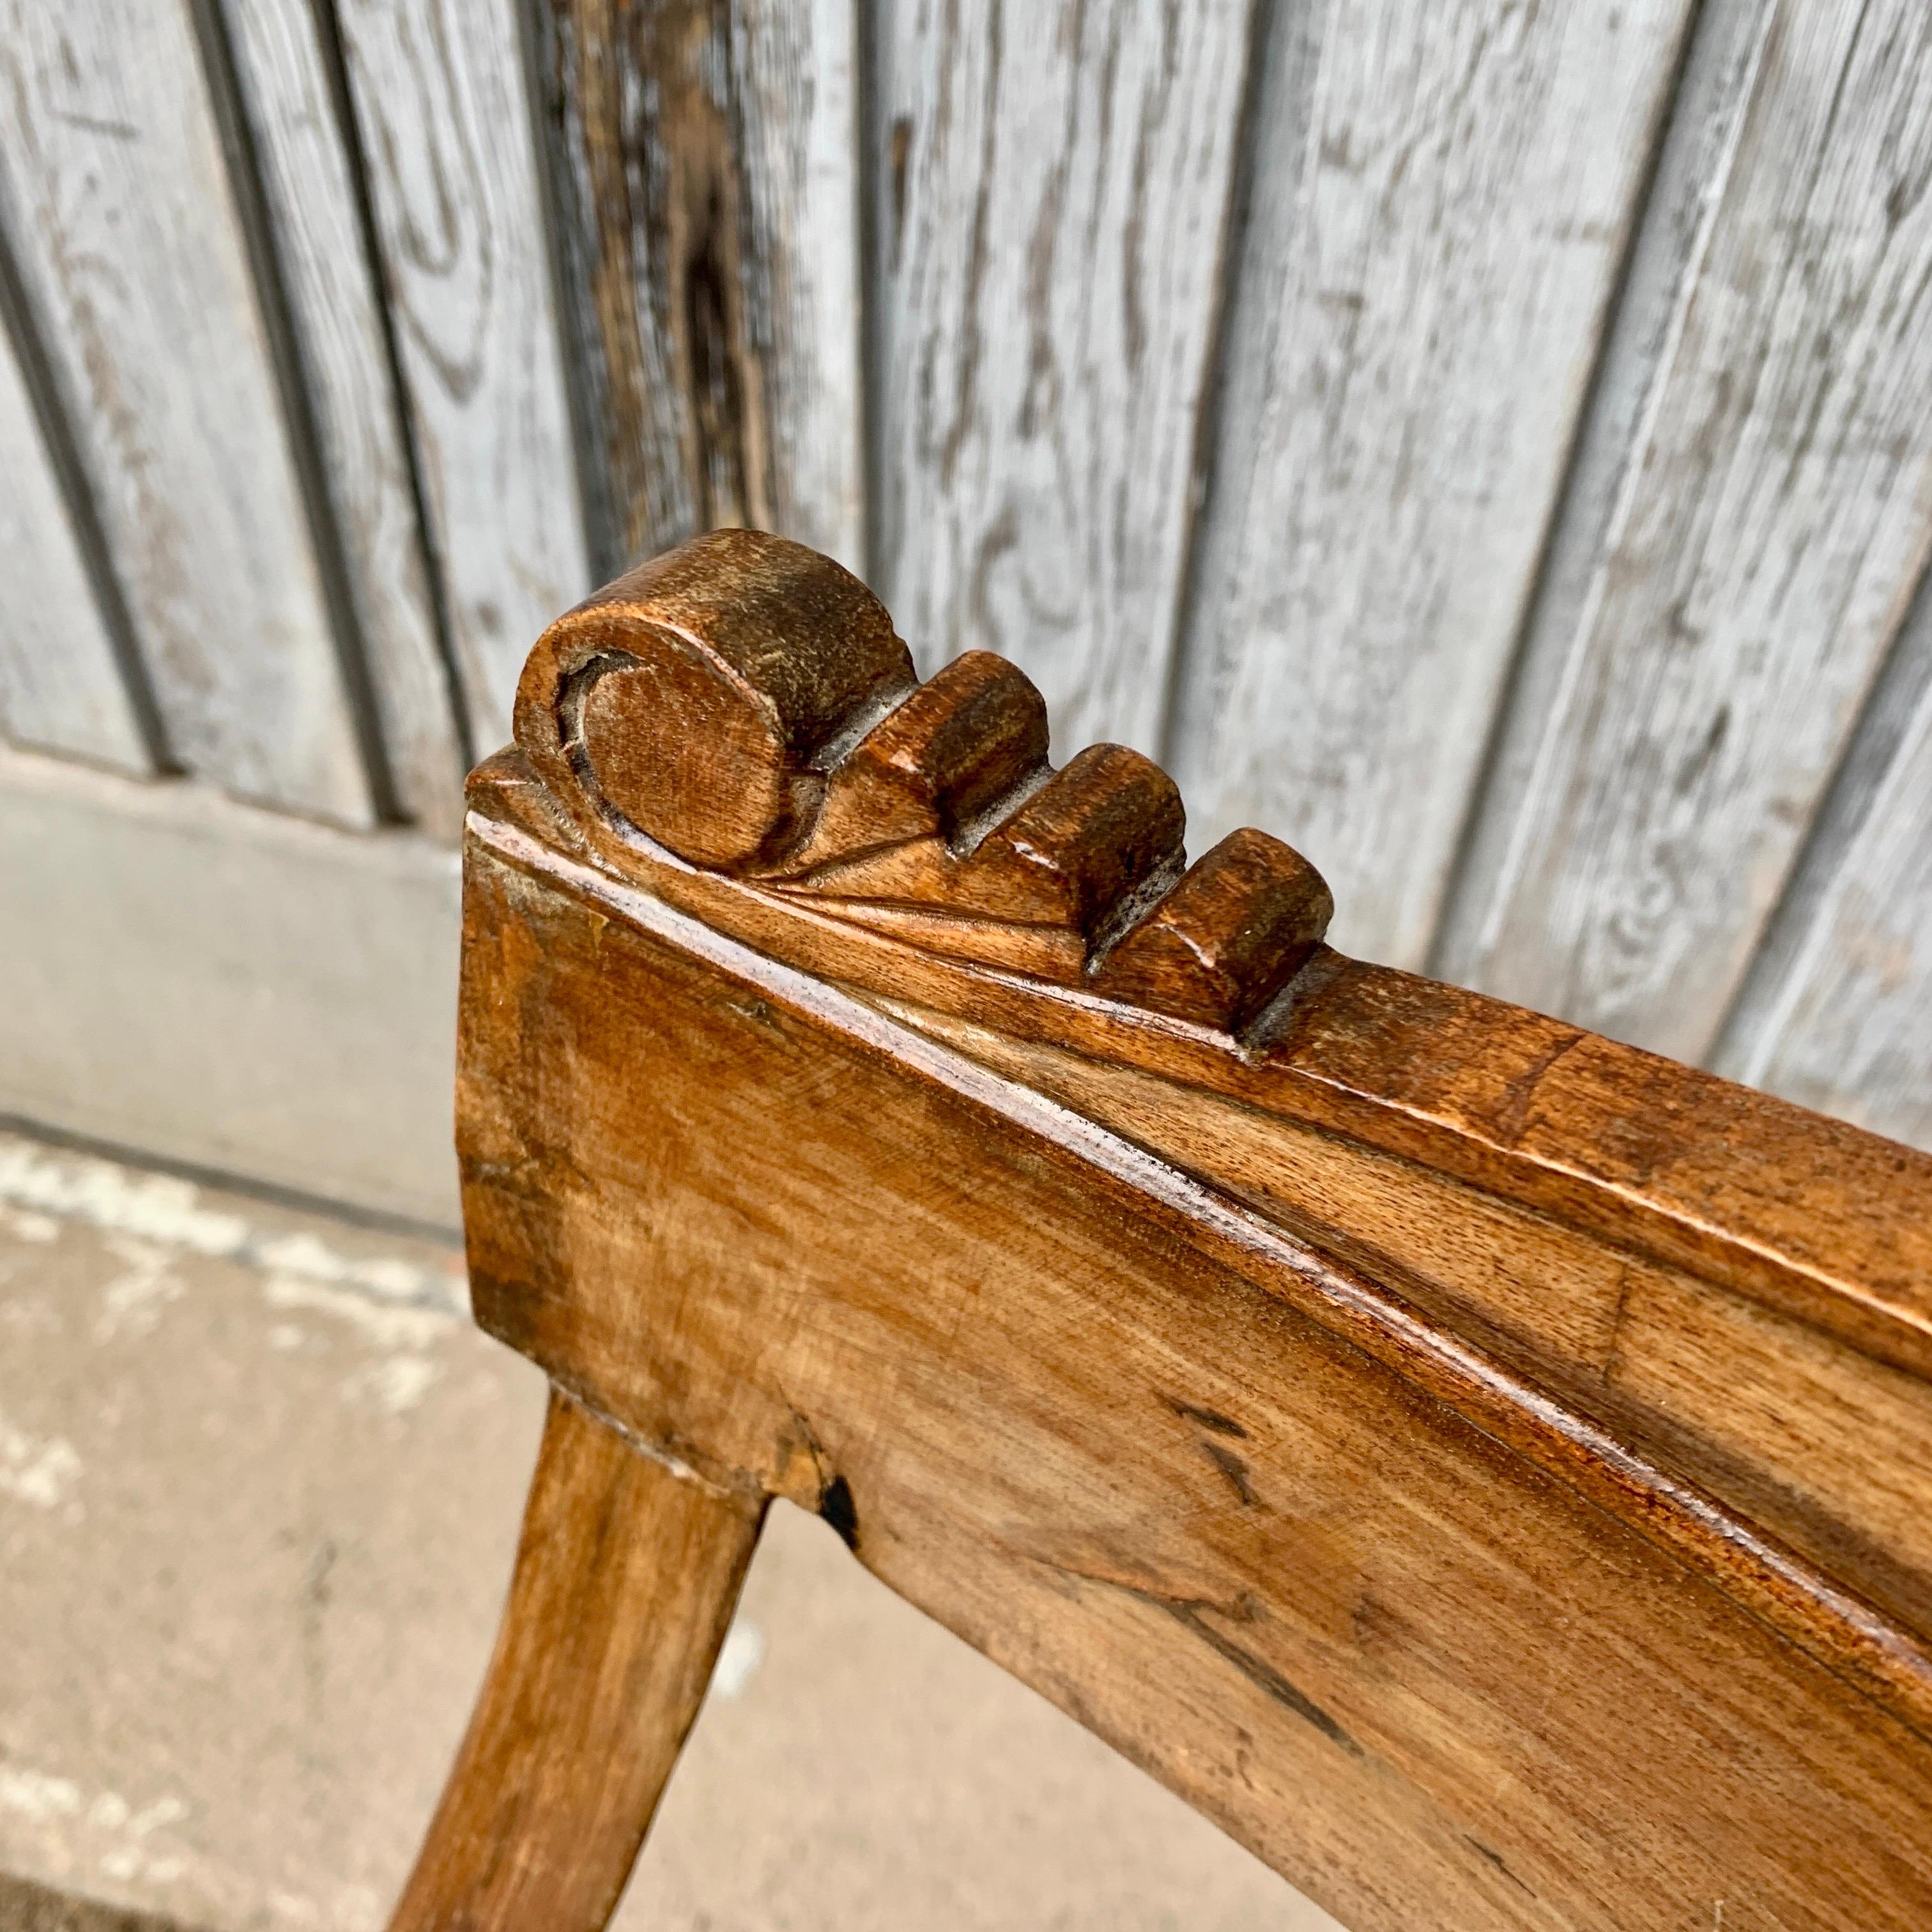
[[1476, 1462], [745, 703]]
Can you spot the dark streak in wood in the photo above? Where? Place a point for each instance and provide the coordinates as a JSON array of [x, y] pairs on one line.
[[641, 110], [1236, 1471], [1208, 1418]]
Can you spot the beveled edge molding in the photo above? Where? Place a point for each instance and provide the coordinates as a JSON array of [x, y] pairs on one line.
[[745, 703]]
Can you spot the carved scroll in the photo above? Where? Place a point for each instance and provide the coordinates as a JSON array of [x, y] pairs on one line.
[[745, 703]]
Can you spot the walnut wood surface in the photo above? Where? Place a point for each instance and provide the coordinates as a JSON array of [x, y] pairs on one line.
[[745, 703], [1481, 1465], [626, 1578]]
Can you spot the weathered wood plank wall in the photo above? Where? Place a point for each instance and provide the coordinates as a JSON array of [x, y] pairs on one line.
[[1054, 182], [125, 232], [707, 213], [1418, 308], [290, 85], [1775, 526], [444, 124], [1491, 446], [72, 699]]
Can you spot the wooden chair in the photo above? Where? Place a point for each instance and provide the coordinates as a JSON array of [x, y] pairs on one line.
[[1484, 1467]]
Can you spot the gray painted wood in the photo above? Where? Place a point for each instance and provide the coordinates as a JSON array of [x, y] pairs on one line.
[[1772, 530], [1443, 203], [797, 64], [445, 126], [60, 682], [1837, 1010], [125, 233], [1726, 43], [284, 67], [1848, 1035], [1052, 186], [704, 159]]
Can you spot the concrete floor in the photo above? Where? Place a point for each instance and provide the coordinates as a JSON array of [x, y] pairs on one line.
[[259, 1482]]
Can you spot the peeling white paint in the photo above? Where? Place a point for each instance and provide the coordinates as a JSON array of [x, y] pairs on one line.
[[743, 1650], [131, 1858], [38, 1797], [131, 1304], [394, 1385], [381, 1326], [109, 1829], [156, 1206], [36, 1469], [47, 1185], [128, 1862], [385, 1277], [25, 1225]]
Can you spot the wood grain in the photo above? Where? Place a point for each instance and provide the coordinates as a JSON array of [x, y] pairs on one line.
[[289, 93], [1842, 1027], [60, 687], [122, 223], [745, 703], [1775, 526], [1408, 1628], [705, 154], [1052, 184], [1750, 1402], [1617, 1228], [626, 1579], [1442, 208], [1479, 1463], [1724, 45], [1637, 1150], [445, 121]]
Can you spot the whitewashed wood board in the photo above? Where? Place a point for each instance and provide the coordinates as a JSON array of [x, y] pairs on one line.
[[60, 688], [338, 323], [1720, 61], [1771, 534], [1444, 201], [1836, 1011], [796, 65], [445, 123], [1850, 1029], [120, 213], [1052, 186]]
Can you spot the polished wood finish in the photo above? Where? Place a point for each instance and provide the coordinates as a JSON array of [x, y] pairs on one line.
[[626, 1578], [1481, 1465]]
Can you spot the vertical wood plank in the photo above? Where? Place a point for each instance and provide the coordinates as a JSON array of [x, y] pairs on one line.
[[1849, 1036], [1773, 525], [1719, 64], [1444, 198], [1054, 185], [796, 67], [60, 682], [127, 238], [290, 95], [1837, 1011], [704, 154], [446, 127]]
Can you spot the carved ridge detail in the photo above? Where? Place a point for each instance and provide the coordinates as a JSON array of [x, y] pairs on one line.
[[745, 703]]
